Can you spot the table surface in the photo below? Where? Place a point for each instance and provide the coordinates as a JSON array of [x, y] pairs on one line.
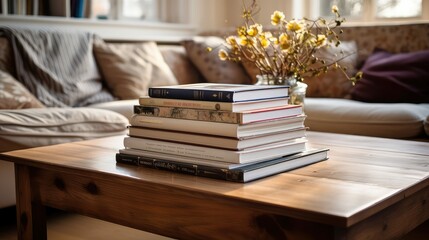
[[362, 177]]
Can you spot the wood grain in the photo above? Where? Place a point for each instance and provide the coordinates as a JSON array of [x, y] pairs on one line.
[[31, 219], [365, 185]]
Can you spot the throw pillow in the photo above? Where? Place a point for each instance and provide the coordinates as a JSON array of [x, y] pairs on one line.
[[131, 68], [13, 95], [390, 78], [334, 83], [180, 64], [57, 66], [213, 69]]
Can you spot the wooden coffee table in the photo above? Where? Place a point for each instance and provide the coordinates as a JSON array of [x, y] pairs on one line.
[[370, 188]]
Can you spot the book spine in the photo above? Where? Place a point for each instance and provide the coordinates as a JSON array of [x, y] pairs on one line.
[[191, 94], [186, 168], [188, 113], [187, 150], [223, 106]]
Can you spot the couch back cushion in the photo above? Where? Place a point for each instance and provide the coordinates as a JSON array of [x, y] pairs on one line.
[[393, 38], [334, 83], [178, 61], [208, 63], [131, 68]]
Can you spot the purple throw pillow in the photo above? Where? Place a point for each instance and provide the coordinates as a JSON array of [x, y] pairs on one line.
[[394, 78]]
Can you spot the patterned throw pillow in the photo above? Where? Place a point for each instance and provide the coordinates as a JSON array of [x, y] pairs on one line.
[[131, 68], [213, 69], [13, 95]]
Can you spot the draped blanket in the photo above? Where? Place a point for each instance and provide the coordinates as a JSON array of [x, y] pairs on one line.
[[57, 66]]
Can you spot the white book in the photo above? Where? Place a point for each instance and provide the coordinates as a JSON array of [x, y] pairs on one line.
[[210, 105], [216, 141], [244, 117], [264, 152], [218, 128]]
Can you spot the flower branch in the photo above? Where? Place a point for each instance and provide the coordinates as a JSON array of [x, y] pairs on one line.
[[290, 50]]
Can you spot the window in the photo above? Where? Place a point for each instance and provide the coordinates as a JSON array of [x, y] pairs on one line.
[[348, 8], [140, 10], [398, 8], [369, 10], [171, 11]]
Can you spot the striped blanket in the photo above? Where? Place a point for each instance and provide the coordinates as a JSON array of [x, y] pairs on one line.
[[58, 67]]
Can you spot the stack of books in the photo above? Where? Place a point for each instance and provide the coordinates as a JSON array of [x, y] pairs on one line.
[[226, 131]]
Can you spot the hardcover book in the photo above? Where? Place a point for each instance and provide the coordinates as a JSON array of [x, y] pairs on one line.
[[240, 173], [216, 141], [218, 128], [244, 117], [263, 152], [220, 92], [220, 106]]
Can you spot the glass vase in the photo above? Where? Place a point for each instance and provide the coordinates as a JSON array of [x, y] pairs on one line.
[[297, 89]]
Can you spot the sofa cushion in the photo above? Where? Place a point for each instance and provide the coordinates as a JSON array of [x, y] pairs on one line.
[[131, 68], [208, 63], [13, 95], [388, 77], [427, 125], [334, 83], [124, 107], [38, 127], [180, 64], [57, 66], [396, 120]]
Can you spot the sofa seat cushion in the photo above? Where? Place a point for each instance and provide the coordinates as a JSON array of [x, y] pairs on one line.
[[124, 107], [38, 127], [393, 120]]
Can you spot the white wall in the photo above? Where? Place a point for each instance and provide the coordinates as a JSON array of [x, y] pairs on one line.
[[211, 15]]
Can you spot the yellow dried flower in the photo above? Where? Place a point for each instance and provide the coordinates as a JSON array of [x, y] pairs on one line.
[[294, 26], [284, 41], [223, 55], [245, 41], [277, 17], [320, 40], [334, 9], [254, 30], [241, 31], [232, 41], [264, 40]]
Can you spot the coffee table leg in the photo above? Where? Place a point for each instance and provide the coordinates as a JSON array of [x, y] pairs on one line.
[[31, 218]]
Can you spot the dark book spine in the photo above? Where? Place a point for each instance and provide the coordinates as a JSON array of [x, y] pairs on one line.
[[190, 94], [128, 159], [186, 168]]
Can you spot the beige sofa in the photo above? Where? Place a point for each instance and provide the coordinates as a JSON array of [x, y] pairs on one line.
[[128, 69]]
